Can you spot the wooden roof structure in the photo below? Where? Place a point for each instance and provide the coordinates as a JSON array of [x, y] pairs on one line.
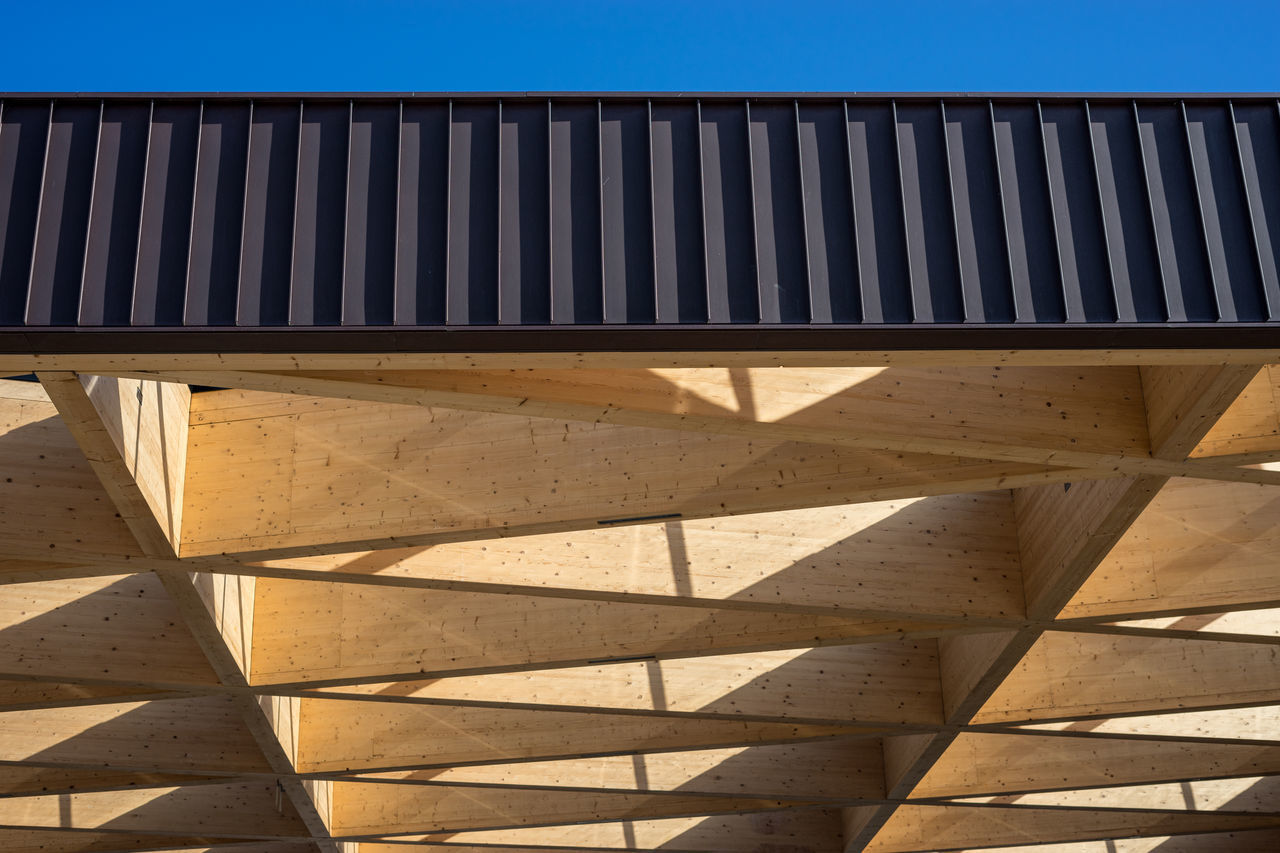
[[506, 590]]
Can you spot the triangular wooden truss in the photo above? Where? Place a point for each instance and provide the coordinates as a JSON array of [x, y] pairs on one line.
[[755, 603]]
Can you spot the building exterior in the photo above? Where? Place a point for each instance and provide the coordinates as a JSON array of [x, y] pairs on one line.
[[739, 473]]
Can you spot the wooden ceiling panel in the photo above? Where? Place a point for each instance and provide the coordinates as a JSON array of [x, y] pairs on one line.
[[658, 608], [122, 629], [340, 735], [871, 684], [244, 808], [831, 769], [55, 507], [206, 733], [15, 840], [948, 555], [370, 808], [310, 631], [1070, 675], [802, 829], [941, 827], [983, 763], [298, 480]]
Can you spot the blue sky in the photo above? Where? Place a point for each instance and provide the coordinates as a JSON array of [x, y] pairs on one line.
[[620, 45]]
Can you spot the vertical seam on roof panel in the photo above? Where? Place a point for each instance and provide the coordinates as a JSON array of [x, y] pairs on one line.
[[244, 211], [293, 226], [1204, 228], [1102, 218], [804, 218], [653, 226], [1275, 306], [2, 105], [1248, 207], [955, 221], [551, 215], [702, 201], [395, 253], [902, 208], [1274, 249], [551, 231], [755, 232], [35, 237], [1004, 217], [853, 214], [93, 183], [142, 209], [1151, 212], [93, 193], [448, 212], [497, 220], [191, 230], [653, 231], [498, 227], [346, 213], [604, 269], [1053, 212]]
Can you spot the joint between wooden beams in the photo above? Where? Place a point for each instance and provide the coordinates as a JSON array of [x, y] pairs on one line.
[[134, 434]]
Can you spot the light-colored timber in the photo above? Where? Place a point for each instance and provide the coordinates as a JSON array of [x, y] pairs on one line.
[[100, 363], [737, 603]]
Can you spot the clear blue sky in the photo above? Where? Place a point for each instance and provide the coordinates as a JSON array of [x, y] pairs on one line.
[[621, 45]]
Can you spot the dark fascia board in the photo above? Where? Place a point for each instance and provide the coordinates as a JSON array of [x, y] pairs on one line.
[[668, 338]]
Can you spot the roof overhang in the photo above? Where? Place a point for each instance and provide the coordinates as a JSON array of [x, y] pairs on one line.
[[580, 222]]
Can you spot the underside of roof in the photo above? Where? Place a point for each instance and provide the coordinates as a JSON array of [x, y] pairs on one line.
[[602, 473]]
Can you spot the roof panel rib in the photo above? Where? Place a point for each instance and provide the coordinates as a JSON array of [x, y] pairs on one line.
[[384, 223]]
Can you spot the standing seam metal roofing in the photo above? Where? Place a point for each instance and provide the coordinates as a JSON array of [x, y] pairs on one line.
[[632, 221]]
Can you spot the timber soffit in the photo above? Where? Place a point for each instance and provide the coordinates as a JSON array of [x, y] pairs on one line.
[[344, 712]]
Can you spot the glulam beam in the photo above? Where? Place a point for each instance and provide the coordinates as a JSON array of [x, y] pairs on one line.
[[1067, 531], [1065, 416], [1091, 418], [1227, 841], [26, 840], [42, 779], [872, 684], [832, 770], [200, 734], [951, 555], [134, 434], [1234, 794], [380, 809], [219, 611], [342, 735], [56, 507], [380, 475], [236, 809], [1257, 724], [121, 628], [1069, 675], [176, 360], [1063, 536], [925, 647], [953, 827], [1004, 764], [815, 830], [327, 632], [1196, 547]]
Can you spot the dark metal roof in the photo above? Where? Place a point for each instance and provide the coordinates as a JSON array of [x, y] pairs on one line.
[[577, 221]]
